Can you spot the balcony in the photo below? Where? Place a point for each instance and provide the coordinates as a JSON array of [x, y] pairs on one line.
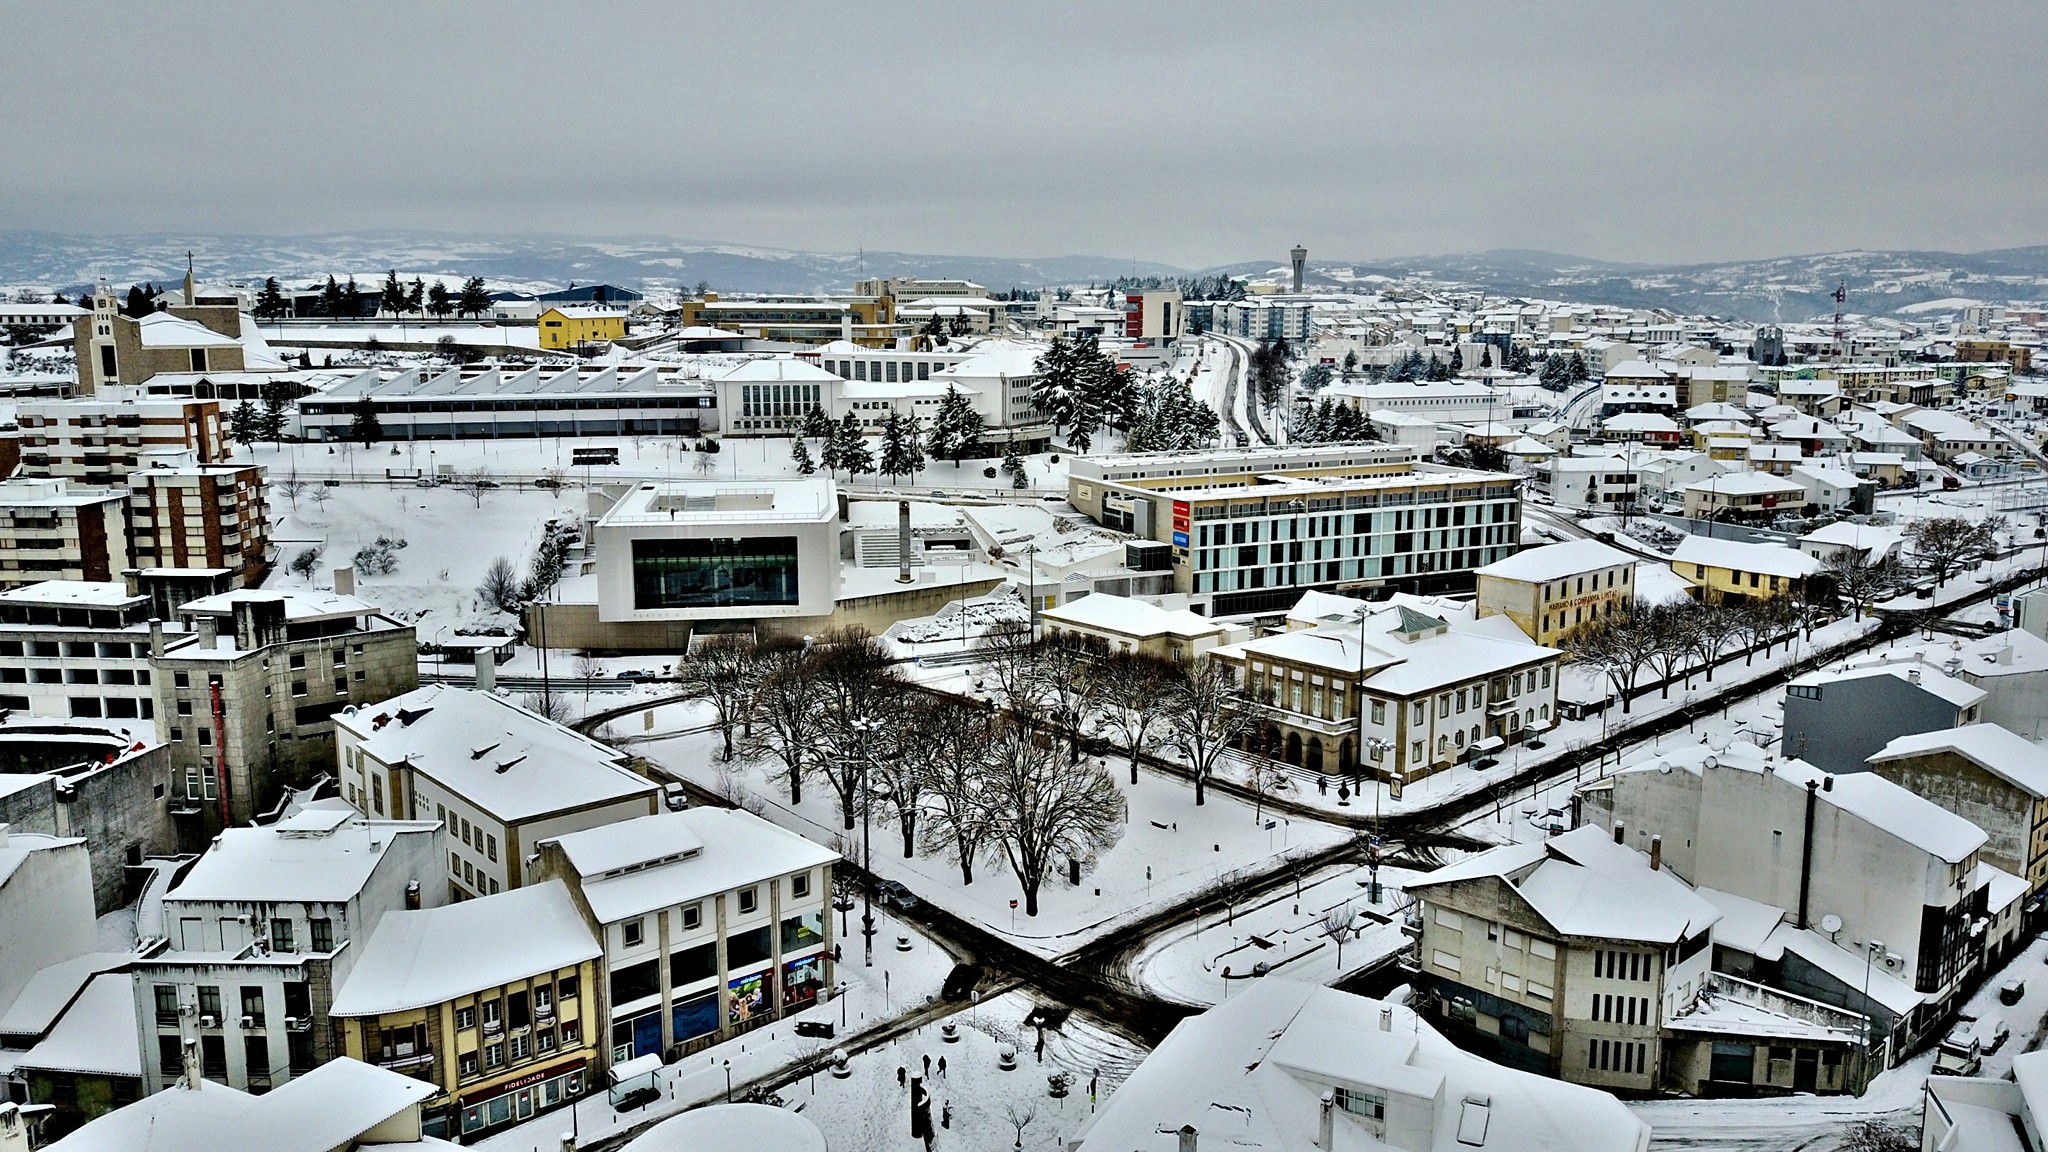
[[402, 1061]]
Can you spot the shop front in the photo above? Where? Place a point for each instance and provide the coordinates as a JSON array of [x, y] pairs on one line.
[[520, 1098]]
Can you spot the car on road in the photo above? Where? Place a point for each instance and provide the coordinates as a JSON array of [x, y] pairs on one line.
[[547, 482], [961, 981], [893, 894], [821, 1029]]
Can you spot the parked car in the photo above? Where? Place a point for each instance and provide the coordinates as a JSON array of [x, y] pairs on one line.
[[893, 894], [961, 981], [1959, 1054], [673, 795], [822, 1029]]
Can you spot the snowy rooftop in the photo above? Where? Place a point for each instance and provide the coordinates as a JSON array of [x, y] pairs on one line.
[[1658, 584], [420, 958], [807, 498], [2010, 653], [318, 1111], [1717, 1013], [19, 845], [779, 369], [1869, 538], [1400, 650], [1556, 561], [1131, 617], [98, 1035], [1746, 484], [513, 764], [72, 594], [49, 992], [318, 856], [755, 1127], [2013, 758], [1256, 1066], [163, 330], [1584, 884], [1742, 556], [299, 603], [1955, 691], [635, 866]]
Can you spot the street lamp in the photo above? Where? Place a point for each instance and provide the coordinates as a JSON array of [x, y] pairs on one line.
[[1377, 748], [728, 1081], [864, 726]]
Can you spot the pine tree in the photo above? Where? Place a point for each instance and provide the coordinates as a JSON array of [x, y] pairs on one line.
[[817, 425], [1014, 466], [270, 302], [270, 425], [392, 299], [1457, 359], [896, 447], [351, 299], [913, 446], [828, 451], [801, 453], [244, 424], [475, 300], [415, 297], [138, 305], [363, 424], [439, 302], [854, 454], [956, 427], [330, 297], [1578, 368], [1056, 389]]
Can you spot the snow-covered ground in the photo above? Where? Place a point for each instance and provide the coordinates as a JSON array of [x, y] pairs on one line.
[[900, 982], [1169, 850], [1285, 931]]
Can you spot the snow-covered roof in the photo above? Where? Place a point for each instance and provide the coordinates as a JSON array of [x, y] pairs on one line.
[[1745, 925], [299, 603], [755, 1127], [49, 992], [97, 1035], [317, 856], [2004, 754], [416, 959], [1868, 538], [1957, 692], [1256, 1066], [1403, 651], [587, 312], [779, 369], [1743, 556], [1640, 422], [1124, 615], [1716, 1013], [1584, 884], [1657, 584], [163, 330], [1746, 484], [327, 1108], [992, 358], [1851, 969], [635, 866], [72, 594], [507, 761], [1557, 561], [1833, 477]]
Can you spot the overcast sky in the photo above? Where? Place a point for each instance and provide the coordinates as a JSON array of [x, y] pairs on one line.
[[1190, 133]]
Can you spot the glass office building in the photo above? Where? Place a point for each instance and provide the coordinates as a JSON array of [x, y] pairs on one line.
[[722, 572]]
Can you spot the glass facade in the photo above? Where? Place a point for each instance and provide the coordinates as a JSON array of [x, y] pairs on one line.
[[714, 573]]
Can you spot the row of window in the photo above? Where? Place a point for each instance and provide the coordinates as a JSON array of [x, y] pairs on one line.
[[1613, 1009], [1611, 965], [50, 649], [1581, 583], [1616, 1056], [633, 933]]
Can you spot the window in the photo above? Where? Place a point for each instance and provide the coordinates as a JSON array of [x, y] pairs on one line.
[[1379, 712], [465, 1018], [468, 1064], [322, 931], [213, 1057], [298, 687], [252, 1003], [1358, 1102], [693, 917], [256, 1055], [491, 848], [543, 1001], [517, 1012], [170, 1055], [750, 899], [166, 1005], [492, 1016], [519, 1047], [298, 660], [209, 1000], [632, 933], [494, 1055], [565, 988], [800, 885]]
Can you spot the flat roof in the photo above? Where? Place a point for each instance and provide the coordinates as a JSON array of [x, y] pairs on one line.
[[714, 850], [810, 498], [73, 594], [416, 959], [324, 856]]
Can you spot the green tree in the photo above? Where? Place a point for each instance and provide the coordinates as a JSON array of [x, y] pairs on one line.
[[439, 302], [392, 299], [351, 299], [330, 297], [801, 453], [897, 446], [817, 425], [245, 424], [1056, 389], [1013, 464], [956, 427], [276, 397], [270, 303], [851, 446], [363, 425], [475, 300], [415, 297]]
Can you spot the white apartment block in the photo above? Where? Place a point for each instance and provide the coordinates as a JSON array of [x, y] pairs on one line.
[[49, 531], [98, 442], [76, 649]]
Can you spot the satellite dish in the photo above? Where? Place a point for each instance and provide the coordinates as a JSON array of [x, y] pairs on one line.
[[1831, 923]]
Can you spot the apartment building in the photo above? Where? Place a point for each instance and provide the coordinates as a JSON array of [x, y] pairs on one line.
[[97, 443], [1721, 569], [1748, 496], [1251, 529], [49, 531], [260, 932], [247, 696], [712, 921], [491, 1001], [1837, 718], [567, 327], [501, 778], [1600, 484], [1988, 776], [1553, 591], [76, 648], [1417, 691], [1893, 883], [192, 515]]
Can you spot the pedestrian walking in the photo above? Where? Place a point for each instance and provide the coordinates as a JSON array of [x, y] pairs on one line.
[[942, 1067], [927, 1065], [902, 1076]]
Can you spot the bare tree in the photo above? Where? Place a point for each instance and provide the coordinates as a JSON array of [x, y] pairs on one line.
[[476, 483], [1020, 1117], [1858, 583], [1044, 808], [787, 719], [290, 488], [1011, 658], [1671, 627], [859, 698], [546, 707], [1714, 627], [320, 495], [1620, 646], [1066, 667], [587, 668], [902, 780], [1127, 691], [500, 587], [959, 822], [1336, 924], [1944, 544], [723, 672], [1206, 711]]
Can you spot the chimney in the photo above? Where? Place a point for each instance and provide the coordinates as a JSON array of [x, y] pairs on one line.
[[345, 580], [1913, 675], [1326, 1117], [1827, 783], [903, 541], [1656, 853], [1386, 1018], [156, 636], [486, 670], [191, 1064], [1187, 1138], [131, 578], [846, 325], [1620, 832], [209, 633], [412, 896]]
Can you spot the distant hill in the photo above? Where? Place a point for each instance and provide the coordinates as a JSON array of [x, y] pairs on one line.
[[1782, 288], [70, 260]]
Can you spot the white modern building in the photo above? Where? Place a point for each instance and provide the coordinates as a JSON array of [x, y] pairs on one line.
[[719, 550], [75, 648]]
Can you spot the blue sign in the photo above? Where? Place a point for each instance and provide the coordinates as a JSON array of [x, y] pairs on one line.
[[1180, 539]]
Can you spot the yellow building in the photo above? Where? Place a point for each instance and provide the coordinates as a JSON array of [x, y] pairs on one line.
[[575, 326], [869, 321], [1553, 591], [494, 1001], [1724, 568]]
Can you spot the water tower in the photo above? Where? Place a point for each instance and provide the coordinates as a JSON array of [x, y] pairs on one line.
[[1300, 257]]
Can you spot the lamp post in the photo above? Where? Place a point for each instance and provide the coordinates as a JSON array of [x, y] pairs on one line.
[[728, 1081], [865, 726], [1871, 951], [1378, 749]]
